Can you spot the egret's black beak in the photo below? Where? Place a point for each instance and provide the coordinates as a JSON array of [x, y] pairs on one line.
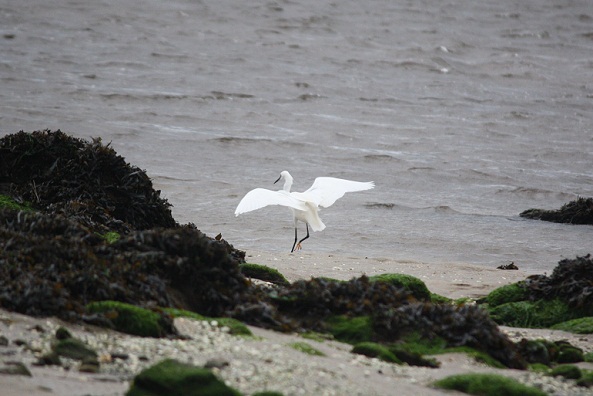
[[277, 180]]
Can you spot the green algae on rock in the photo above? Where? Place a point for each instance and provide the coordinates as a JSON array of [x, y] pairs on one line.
[[412, 284], [10, 203], [263, 273], [134, 320], [544, 301], [568, 371], [579, 326], [306, 348], [171, 377], [487, 385], [506, 294], [373, 349], [235, 326]]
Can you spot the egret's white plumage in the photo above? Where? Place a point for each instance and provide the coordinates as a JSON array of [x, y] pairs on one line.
[[304, 206]]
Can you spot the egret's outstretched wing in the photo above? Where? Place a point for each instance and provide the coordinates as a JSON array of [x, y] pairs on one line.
[[261, 197], [327, 190]]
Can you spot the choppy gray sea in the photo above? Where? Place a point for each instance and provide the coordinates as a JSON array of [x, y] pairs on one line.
[[463, 112]]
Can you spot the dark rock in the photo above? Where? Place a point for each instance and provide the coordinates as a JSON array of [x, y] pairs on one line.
[[86, 180], [74, 349], [119, 355], [15, 368], [218, 363], [49, 359], [571, 281], [579, 211], [89, 365], [3, 341], [510, 266], [62, 333]]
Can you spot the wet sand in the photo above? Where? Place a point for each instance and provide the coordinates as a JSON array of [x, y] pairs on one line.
[[453, 280]]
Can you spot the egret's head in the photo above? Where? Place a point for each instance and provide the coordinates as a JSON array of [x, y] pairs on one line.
[[287, 180], [283, 175]]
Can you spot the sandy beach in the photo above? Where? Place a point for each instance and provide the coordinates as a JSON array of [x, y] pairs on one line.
[[267, 362], [453, 280]]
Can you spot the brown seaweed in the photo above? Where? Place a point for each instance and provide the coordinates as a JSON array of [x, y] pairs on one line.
[[579, 211]]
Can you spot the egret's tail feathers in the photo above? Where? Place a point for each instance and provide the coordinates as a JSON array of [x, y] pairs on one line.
[[313, 219]]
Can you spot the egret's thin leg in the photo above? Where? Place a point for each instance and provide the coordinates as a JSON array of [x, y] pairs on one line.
[[298, 246], [295, 239]]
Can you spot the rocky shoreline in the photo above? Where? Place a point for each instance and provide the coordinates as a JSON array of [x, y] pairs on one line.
[[253, 364], [87, 241]]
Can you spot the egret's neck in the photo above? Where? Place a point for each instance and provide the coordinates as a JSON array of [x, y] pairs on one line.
[[287, 183]]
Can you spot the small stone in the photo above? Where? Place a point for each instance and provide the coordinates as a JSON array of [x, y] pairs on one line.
[[49, 359], [120, 355], [218, 363], [74, 349], [89, 365], [15, 368], [63, 333], [3, 341], [38, 328]]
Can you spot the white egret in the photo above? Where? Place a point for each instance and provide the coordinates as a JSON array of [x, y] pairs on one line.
[[304, 206]]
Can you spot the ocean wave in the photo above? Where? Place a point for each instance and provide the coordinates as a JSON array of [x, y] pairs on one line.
[[239, 140], [380, 158], [380, 205], [533, 192]]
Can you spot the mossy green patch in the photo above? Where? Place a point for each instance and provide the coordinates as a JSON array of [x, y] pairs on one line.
[[579, 325], [372, 349], [438, 299], [566, 371], [487, 385], [506, 294], [130, 319], [538, 314], [171, 377], [264, 273], [588, 357], [182, 313], [8, 202], [414, 343], [351, 330], [539, 368], [586, 379], [414, 285], [570, 354], [306, 348], [315, 336], [235, 326], [111, 236]]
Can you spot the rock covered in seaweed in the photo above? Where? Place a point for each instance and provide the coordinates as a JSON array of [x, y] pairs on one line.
[[87, 180], [579, 211], [51, 265], [571, 281]]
